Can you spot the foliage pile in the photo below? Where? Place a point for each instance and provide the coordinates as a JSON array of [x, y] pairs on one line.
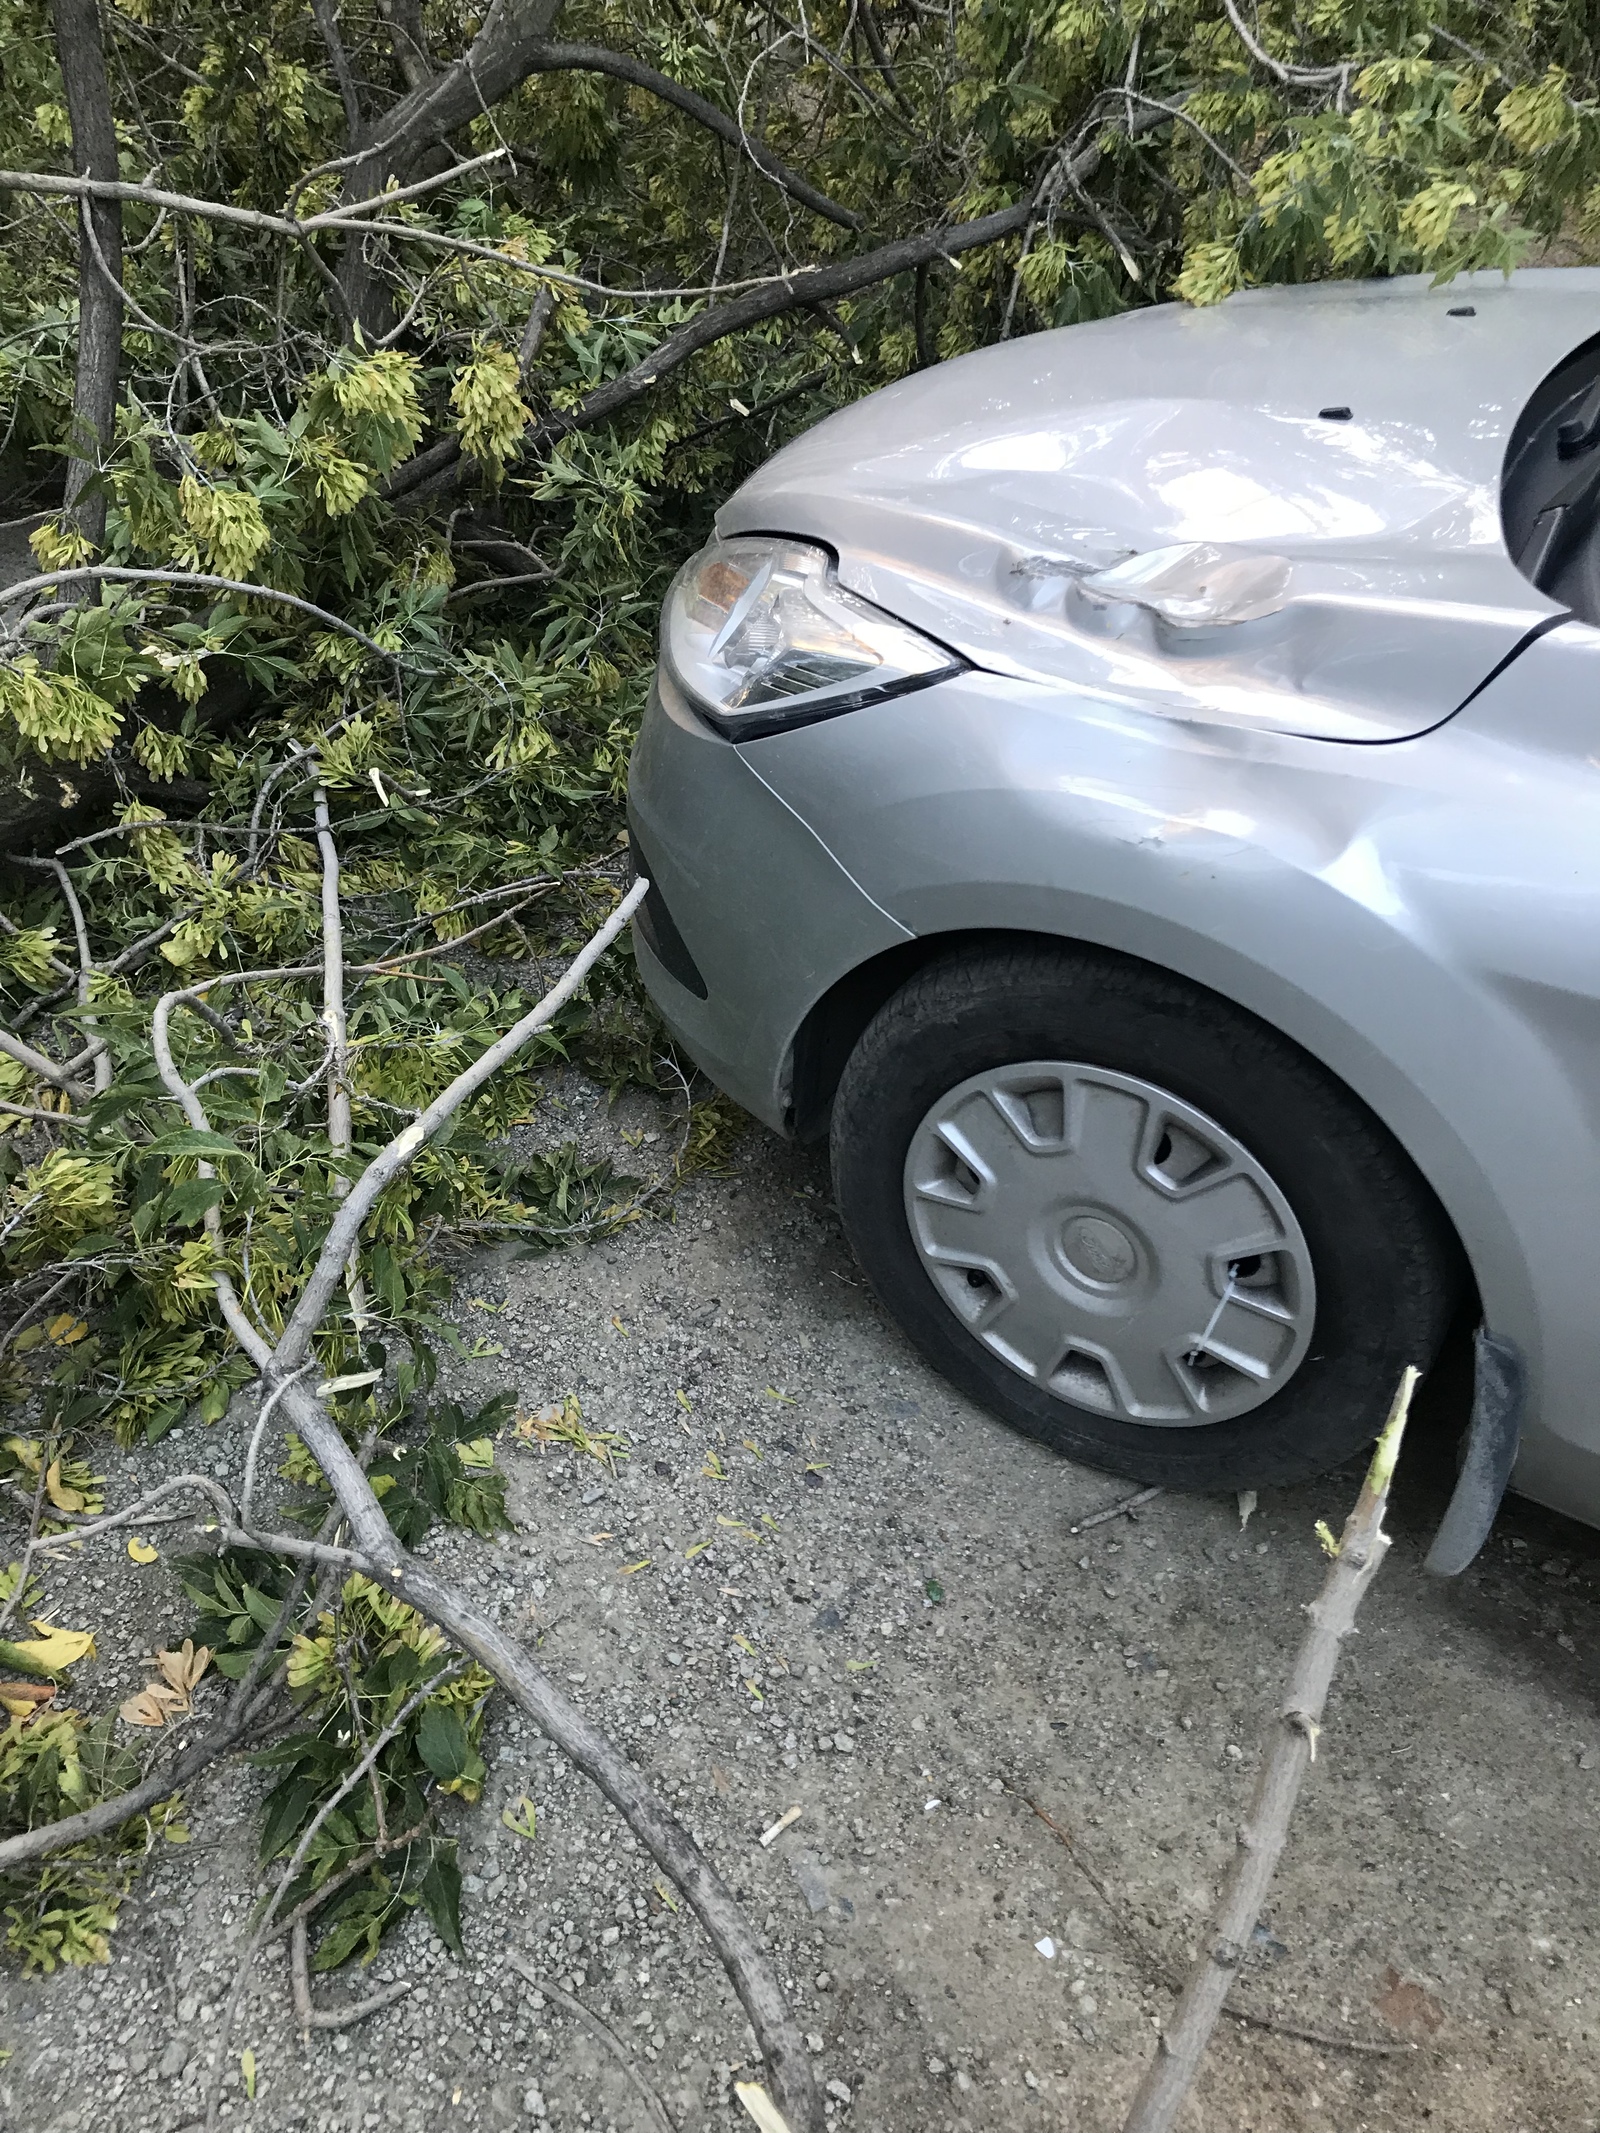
[[406, 441]]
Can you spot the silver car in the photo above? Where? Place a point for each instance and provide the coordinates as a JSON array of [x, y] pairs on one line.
[[1137, 789]]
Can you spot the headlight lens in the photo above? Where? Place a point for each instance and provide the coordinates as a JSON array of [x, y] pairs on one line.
[[762, 636]]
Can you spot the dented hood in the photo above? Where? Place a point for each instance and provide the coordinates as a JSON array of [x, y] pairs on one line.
[[972, 498]]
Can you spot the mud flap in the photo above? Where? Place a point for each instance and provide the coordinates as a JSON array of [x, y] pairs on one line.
[[1493, 1433]]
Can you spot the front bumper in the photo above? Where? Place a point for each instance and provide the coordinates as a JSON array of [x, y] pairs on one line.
[[749, 901]]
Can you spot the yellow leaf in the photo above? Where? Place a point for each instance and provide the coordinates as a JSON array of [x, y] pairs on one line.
[[643, 1563], [60, 1495], [66, 1329], [666, 1896], [20, 1699], [55, 1648], [141, 1550], [697, 1548], [247, 2067], [523, 1819]]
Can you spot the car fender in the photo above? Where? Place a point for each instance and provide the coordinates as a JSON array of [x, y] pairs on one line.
[[1389, 908]]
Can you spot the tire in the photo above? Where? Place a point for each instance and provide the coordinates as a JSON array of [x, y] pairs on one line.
[[1360, 1280]]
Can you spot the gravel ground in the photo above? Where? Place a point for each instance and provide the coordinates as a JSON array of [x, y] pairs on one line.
[[1018, 1752]]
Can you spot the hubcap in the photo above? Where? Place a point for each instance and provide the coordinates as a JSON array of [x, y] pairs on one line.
[[1110, 1243]]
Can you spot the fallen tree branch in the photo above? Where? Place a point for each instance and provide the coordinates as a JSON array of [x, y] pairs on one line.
[[622, 66], [333, 1018], [806, 285], [345, 1229], [20, 588], [1357, 1556], [297, 1859], [1282, 70], [80, 54], [380, 1555], [45, 1069], [311, 2017]]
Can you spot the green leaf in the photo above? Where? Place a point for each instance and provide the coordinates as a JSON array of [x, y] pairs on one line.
[[263, 1612], [443, 1744], [440, 1890], [190, 1140], [286, 1807], [189, 1200]]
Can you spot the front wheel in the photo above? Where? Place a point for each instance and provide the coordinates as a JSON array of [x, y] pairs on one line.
[[1134, 1221]]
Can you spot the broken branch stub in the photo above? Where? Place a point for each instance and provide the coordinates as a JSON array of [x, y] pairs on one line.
[[1291, 1750]]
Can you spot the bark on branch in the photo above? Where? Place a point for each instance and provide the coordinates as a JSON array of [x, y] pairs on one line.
[[1357, 1556], [81, 56], [622, 66], [432, 469]]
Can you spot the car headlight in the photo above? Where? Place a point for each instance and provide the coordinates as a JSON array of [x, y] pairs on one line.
[[762, 636]]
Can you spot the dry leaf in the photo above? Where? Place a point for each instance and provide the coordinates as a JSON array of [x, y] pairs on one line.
[[159, 1702], [1404, 2005], [141, 1550], [66, 1329], [20, 1699], [154, 1705], [182, 1670]]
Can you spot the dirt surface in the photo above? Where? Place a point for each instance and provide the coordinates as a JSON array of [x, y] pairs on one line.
[[1019, 1755]]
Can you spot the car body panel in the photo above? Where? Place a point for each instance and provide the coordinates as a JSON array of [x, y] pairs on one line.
[[767, 913], [964, 498], [1324, 889], [1421, 912]]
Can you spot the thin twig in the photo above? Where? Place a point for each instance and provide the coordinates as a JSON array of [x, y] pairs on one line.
[[1162, 1973], [102, 1057], [205, 581], [654, 2107], [1116, 1510], [347, 1784], [333, 1017]]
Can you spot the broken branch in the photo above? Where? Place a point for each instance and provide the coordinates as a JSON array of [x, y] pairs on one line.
[[1291, 1751]]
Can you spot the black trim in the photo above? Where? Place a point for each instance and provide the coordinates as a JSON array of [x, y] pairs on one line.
[[1540, 629], [659, 929], [1499, 1396]]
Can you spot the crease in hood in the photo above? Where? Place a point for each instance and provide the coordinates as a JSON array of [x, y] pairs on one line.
[[969, 498]]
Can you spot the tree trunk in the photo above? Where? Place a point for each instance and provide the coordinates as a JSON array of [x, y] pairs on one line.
[[94, 155], [438, 106]]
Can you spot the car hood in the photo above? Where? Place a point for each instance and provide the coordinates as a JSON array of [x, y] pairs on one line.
[[970, 498]]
